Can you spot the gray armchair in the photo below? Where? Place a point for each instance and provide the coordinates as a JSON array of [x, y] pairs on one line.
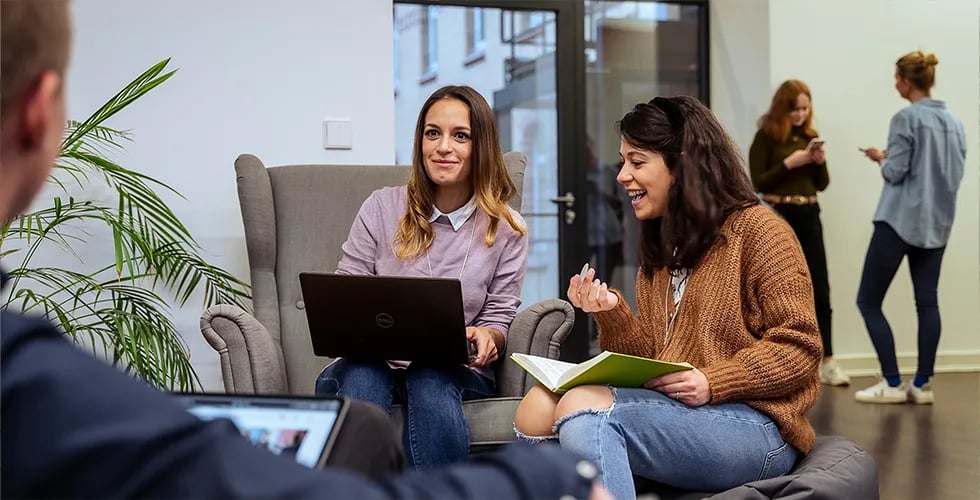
[[296, 219]]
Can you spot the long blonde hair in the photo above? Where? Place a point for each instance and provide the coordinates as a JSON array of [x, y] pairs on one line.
[[491, 184]]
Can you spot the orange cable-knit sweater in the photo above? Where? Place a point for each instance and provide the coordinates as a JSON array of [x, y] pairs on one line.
[[746, 320]]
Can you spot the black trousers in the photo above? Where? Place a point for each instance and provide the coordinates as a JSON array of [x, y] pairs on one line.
[[805, 221], [367, 442], [885, 253]]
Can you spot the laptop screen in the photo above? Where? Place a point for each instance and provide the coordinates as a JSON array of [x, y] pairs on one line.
[[301, 428]]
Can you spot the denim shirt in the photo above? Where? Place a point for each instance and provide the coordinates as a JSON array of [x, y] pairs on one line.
[[922, 171]]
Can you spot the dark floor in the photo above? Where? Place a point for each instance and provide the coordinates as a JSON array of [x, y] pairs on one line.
[[927, 452]]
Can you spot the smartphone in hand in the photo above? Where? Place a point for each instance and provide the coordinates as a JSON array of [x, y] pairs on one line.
[[815, 143]]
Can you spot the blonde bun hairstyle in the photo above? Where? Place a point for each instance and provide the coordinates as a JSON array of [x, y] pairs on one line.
[[919, 68]]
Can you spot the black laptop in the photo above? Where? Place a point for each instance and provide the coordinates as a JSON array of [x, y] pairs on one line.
[[376, 318], [302, 428]]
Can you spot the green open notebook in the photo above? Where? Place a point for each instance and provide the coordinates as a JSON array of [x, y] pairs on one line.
[[607, 368]]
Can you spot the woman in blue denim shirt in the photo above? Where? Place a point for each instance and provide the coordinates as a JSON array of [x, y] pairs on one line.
[[922, 170]]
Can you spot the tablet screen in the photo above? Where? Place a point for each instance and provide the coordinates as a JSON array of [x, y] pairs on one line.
[[301, 428]]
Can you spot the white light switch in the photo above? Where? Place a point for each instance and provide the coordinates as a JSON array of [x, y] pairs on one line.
[[337, 134]]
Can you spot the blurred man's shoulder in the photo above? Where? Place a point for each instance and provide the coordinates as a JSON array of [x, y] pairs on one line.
[[17, 328]]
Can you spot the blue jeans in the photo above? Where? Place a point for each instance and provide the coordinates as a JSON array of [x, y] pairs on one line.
[[885, 254], [435, 433], [710, 447]]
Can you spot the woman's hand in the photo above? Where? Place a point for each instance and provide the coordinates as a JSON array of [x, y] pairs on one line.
[[689, 387], [589, 294], [797, 159], [818, 156], [874, 154], [599, 492], [486, 345]]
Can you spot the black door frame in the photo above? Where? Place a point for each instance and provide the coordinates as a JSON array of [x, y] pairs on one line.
[[570, 92]]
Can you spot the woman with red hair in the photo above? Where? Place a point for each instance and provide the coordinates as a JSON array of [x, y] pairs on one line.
[[788, 167]]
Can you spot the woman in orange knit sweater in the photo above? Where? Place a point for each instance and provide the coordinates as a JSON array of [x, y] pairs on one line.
[[724, 286]]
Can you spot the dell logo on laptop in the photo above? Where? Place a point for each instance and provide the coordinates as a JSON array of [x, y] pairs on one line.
[[384, 320]]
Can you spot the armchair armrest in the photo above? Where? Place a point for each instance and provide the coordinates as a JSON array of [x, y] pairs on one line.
[[539, 330], [251, 360]]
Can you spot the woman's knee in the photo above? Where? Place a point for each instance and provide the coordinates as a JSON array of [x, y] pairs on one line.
[[365, 381], [435, 394], [536, 412], [868, 301], [426, 382], [369, 373], [926, 299], [332, 377], [584, 397]]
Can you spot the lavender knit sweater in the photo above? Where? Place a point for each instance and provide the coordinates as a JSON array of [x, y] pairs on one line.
[[492, 277]]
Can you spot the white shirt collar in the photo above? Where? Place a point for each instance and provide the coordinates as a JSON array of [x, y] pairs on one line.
[[456, 217]]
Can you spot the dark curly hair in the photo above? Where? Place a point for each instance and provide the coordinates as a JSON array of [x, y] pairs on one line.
[[709, 179]]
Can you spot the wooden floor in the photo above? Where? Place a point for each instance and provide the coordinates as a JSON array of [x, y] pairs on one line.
[[923, 451]]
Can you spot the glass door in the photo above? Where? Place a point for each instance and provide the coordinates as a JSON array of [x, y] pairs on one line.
[[634, 51], [512, 53], [558, 74]]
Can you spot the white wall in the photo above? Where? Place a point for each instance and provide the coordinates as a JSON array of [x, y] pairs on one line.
[[739, 66], [258, 76], [254, 76], [846, 51]]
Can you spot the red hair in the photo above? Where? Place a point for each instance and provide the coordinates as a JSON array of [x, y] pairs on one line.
[[777, 122]]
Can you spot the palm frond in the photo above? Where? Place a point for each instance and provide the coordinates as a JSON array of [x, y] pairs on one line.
[[144, 83], [116, 310], [99, 137], [184, 272], [127, 323]]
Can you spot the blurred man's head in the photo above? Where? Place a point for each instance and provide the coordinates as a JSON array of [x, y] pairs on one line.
[[35, 41]]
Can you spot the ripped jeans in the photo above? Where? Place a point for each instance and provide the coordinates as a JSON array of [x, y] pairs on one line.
[[706, 448], [435, 432]]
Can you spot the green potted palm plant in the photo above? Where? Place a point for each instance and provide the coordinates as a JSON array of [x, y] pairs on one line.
[[122, 309]]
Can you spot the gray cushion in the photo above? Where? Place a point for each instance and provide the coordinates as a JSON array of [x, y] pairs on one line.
[[835, 469], [484, 417], [251, 361], [538, 330], [311, 241]]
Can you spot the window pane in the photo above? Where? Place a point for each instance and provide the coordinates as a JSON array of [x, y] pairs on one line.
[[635, 51], [429, 40], [517, 78], [474, 31]]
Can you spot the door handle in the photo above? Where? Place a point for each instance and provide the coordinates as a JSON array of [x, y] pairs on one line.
[[568, 199]]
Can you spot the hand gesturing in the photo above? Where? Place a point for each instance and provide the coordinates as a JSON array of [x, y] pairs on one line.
[[590, 294]]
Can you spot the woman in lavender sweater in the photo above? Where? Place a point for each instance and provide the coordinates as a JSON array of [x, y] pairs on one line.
[[450, 221]]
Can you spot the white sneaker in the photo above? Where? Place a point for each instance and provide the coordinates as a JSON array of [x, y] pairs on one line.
[[831, 374], [921, 395], [883, 393]]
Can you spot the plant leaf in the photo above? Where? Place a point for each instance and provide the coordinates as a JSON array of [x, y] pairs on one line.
[[121, 311]]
